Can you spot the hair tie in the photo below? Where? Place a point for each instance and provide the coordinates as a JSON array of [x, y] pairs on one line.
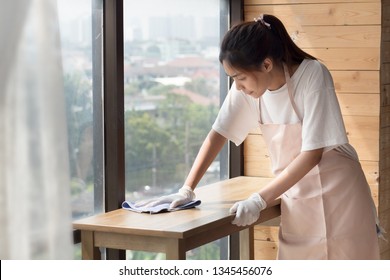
[[261, 19]]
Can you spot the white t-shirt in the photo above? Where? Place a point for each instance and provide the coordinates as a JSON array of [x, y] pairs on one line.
[[316, 101]]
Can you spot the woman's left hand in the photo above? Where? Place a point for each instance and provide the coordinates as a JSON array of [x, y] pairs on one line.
[[248, 211]]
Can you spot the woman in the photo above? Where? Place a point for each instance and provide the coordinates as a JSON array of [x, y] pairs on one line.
[[327, 211]]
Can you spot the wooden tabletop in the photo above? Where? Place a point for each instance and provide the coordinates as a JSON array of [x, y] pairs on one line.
[[212, 213]]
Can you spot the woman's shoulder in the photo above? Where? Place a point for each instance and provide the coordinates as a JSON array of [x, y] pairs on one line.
[[312, 69], [312, 65]]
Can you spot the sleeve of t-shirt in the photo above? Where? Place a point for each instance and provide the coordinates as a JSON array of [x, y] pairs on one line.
[[323, 125], [237, 117]]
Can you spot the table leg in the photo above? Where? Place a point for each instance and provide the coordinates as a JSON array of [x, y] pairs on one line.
[[88, 249], [175, 249], [247, 244], [234, 246], [241, 245]]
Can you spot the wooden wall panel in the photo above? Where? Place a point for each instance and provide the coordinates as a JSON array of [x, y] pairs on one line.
[[346, 35], [278, 2], [266, 242], [356, 81], [384, 146], [348, 58], [363, 134], [316, 14], [359, 104], [256, 159]]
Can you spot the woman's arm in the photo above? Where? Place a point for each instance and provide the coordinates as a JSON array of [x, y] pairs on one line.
[[208, 151], [248, 211], [210, 148], [294, 172]]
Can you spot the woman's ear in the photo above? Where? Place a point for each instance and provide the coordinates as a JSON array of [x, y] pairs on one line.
[[267, 64]]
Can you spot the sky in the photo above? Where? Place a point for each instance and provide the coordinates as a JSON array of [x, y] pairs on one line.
[[77, 8], [138, 12], [183, 7]]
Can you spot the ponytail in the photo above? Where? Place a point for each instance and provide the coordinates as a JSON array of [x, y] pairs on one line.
[[246, 45]]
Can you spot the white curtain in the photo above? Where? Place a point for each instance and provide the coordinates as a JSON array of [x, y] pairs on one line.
[[35, 214]]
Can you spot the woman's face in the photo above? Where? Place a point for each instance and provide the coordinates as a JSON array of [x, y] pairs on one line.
[[253, 83]]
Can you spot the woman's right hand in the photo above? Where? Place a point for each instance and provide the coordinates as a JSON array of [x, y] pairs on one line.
[[183, 196]]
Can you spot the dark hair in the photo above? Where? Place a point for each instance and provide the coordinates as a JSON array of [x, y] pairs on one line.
[[246, 45]]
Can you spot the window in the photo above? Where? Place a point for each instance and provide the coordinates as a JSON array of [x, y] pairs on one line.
[[81, 41], [172, 96], [79, 23]]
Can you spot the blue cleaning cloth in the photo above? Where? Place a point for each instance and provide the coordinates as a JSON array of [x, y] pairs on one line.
[[161, 208]]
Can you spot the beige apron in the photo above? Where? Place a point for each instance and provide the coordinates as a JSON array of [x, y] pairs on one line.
[[328, 214]]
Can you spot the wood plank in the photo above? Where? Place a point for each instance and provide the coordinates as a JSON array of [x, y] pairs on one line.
[[320, 14], [384, 187], [256, 157], [385, 52], [385, 254], [374, 194], [371, 170], [89, 251], [384, 218], [359, 104], [130, 242], [266, 233], [385, 73], [386, 33], [385, 114], [385, 97], [258, 167], [347, 59], [384, 174], [363, 134], [278, 2], [384, 203], [356, 81], [254, 145], [385, 13], [175, 250], [265, 250], [335, 36], [328, 36], [384, 164]]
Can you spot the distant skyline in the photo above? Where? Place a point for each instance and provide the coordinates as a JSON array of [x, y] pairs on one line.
[[138, 15], [182, 17], [172, 7], [71, 9]]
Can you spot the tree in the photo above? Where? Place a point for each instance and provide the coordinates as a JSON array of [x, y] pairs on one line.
[[77, 89], [161, 144]]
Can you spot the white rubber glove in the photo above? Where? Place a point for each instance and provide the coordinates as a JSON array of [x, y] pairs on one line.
[[183, 196], [248, 211]]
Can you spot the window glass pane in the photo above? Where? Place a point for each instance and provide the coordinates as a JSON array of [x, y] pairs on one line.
[[172, 96], [81, 40]]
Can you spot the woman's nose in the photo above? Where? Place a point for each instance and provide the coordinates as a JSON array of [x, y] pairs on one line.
[[239, 86]]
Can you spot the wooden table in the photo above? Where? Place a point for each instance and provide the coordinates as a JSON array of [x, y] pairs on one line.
[[173, 233]]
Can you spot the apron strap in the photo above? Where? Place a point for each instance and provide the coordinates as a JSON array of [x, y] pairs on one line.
[[291, 92]]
